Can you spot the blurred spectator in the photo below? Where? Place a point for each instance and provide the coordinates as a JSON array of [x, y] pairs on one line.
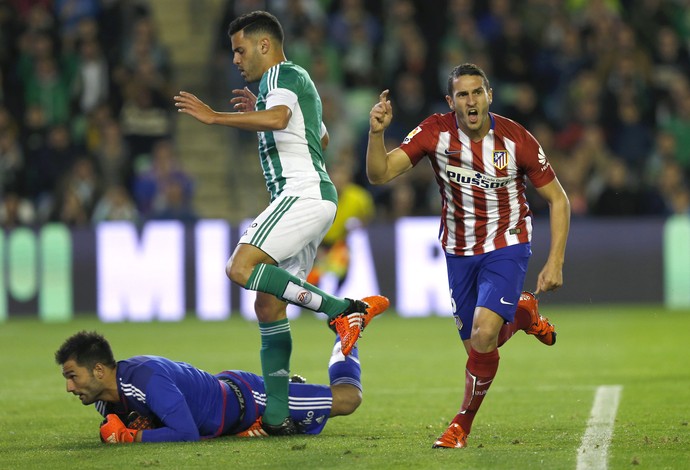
[[460, 43], [11, 161], [298, 17], [145, 118], [670, 56], [47, 167], [144, 46], [115, 204], [82, 182], [48, 89], [585, 109], [400, 201], [348, 15], [400, 28], [511, 49], [630, 137], [173, 201], [678, 123], [618, 197], [660, 195], [559, 63], [92, 81], [648, 17], [113, 158], [492, 21], [70, 13], [411, 104], [356, 33], [680, 202], [34, 133], [70, 211], [150, 185], [15, 211], [522, 105], [318, 56]]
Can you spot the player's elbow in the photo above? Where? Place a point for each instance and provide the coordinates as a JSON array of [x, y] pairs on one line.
[[377, 178], [278, 118]]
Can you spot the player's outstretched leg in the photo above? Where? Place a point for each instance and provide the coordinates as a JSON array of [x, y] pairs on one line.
[[539, 326], [356, 317]]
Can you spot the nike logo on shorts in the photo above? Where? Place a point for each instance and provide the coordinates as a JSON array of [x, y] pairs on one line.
[[505, 302]]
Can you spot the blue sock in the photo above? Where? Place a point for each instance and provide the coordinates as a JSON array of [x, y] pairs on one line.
[[344, 369]]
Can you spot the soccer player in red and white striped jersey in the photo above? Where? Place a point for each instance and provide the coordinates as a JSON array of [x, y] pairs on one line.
[[481, 162]]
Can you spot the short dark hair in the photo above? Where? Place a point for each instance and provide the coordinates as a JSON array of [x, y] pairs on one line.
[[255, 22], [86, 348], [466, 69]]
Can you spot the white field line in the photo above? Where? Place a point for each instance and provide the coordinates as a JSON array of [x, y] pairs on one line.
[[593, 452]]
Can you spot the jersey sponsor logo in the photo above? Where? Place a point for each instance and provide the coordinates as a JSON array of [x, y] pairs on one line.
[[304, 297], [412, 133], [464, 176], [542, 159], [501, 158]]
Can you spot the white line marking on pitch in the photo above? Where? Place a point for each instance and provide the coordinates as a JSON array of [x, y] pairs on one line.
[[593, 452]]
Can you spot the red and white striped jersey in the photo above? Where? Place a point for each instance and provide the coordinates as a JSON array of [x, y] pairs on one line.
[[482, 184]]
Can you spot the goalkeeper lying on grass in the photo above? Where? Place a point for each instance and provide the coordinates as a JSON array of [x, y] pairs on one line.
[[154, 399]]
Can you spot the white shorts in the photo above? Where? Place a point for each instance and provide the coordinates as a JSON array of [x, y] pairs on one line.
[[290, 230]]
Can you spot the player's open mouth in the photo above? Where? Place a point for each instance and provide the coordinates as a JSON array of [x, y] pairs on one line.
[[473, 116]]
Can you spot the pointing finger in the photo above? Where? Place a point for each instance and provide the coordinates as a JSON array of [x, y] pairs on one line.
[[383, 96]]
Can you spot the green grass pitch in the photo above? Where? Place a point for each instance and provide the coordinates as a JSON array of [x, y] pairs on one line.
[[533, 417]]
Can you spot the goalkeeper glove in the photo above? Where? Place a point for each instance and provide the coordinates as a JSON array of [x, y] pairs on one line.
[[114, 431], [137, 422]]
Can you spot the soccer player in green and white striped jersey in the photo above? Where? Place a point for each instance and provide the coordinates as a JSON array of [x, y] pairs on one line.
[[277, 251]]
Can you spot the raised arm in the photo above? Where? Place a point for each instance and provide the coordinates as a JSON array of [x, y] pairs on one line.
[[383, 166]]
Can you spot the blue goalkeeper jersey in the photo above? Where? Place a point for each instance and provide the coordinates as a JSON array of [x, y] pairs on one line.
[[189, 403]]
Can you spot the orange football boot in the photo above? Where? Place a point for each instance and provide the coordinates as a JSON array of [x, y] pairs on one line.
[[351, 322], [255, 430], [453, 438], [539, 326]]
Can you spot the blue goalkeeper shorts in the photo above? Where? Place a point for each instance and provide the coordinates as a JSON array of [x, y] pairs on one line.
[[493, 280], [310, 404]]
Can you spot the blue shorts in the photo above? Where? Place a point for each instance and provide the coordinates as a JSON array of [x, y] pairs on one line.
[[310, 404], [493, 280]]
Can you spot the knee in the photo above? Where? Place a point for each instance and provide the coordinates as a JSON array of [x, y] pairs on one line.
[[483, 341], [237, 273], [346, 399]]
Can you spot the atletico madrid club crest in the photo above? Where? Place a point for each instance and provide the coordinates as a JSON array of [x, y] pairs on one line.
[[500, 159]]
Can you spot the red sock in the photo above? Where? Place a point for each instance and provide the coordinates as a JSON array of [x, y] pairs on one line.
[[480, 372], [521, 321]]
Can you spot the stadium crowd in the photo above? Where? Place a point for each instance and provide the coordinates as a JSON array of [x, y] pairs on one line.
[[86, 118]]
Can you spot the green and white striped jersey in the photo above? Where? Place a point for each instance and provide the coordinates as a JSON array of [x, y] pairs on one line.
[[292, 159]]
